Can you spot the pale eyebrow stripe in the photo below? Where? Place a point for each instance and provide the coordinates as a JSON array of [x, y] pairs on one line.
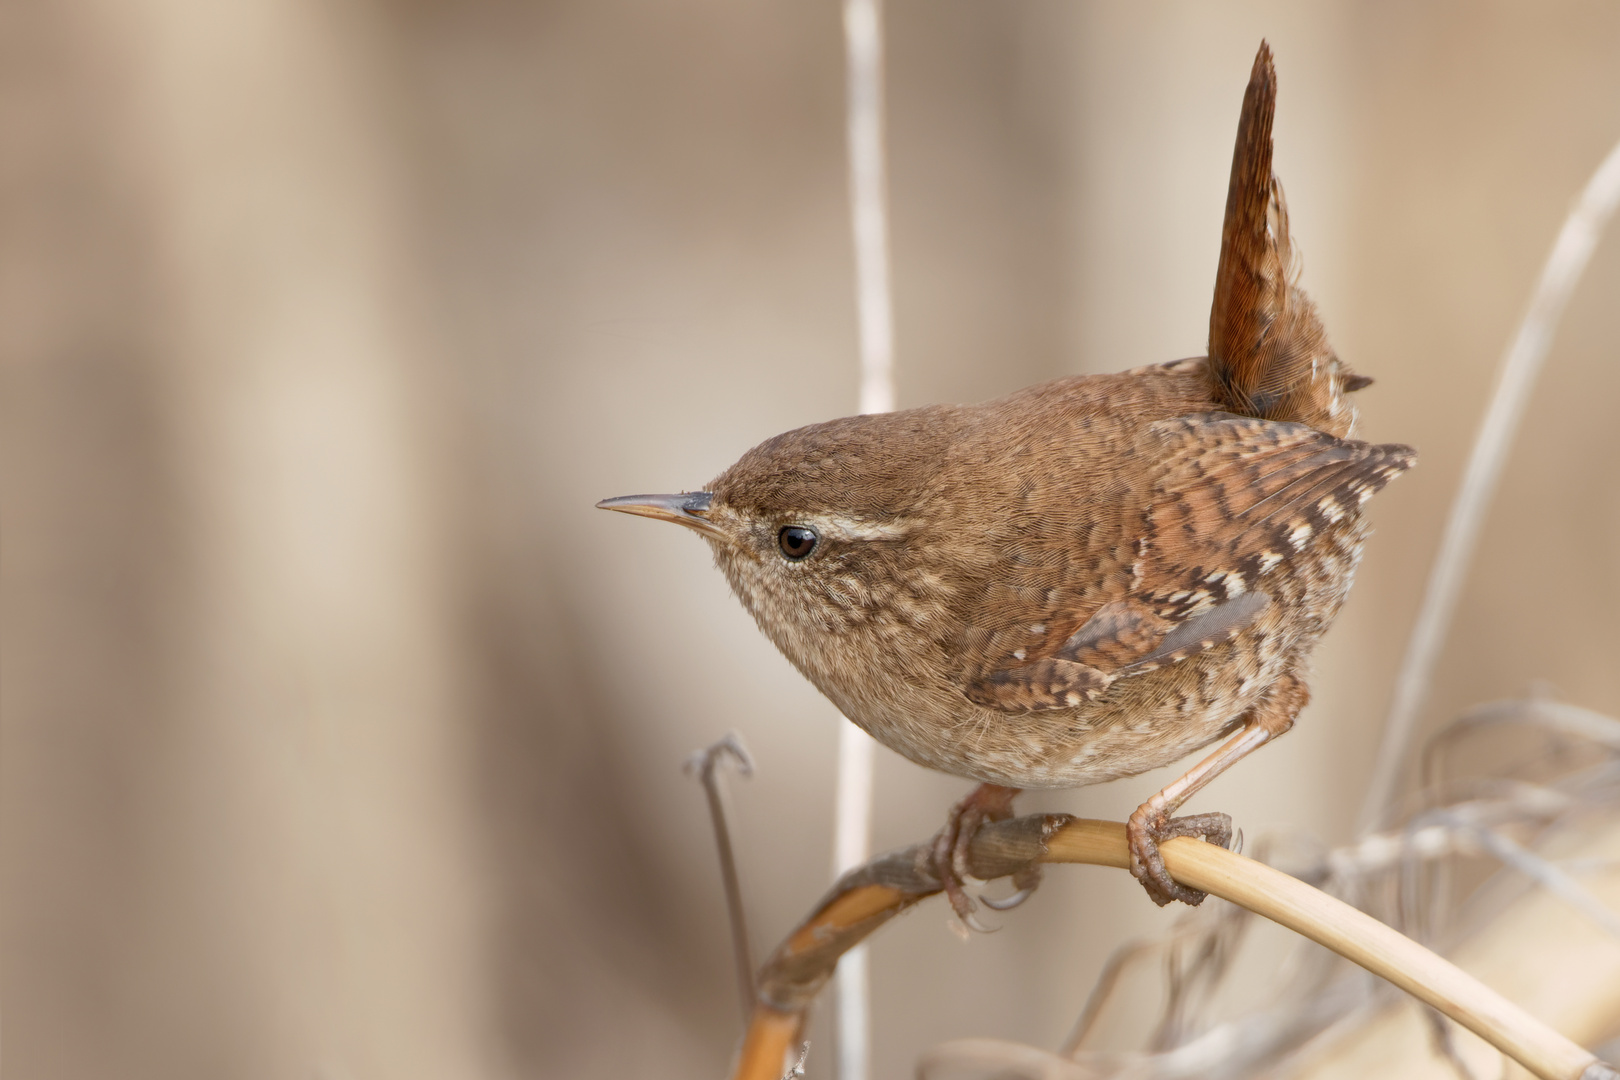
[[843, 527]]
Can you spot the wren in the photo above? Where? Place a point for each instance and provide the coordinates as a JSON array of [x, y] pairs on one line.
[[1089, 578]]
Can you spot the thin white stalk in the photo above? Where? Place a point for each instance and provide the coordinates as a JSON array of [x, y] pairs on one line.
[[863, 43], [1520, 366], [868, 190], [852, 843]]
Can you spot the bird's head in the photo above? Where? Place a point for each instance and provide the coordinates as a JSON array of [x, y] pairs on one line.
[[823, 529]]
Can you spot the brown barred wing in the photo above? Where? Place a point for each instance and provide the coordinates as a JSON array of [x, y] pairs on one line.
[[1237, 501]]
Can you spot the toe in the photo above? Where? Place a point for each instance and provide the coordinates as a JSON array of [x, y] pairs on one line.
[[1147, 865], [966, 828], [947, 860], [1211, 828]]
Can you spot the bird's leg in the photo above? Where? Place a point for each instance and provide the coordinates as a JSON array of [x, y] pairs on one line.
[[1152, 824], [985, 803]]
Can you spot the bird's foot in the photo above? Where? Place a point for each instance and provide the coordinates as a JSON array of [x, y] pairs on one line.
[[1149, 827], [986, 803]]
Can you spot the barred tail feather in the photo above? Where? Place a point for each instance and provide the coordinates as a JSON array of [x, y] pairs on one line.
[[1268, 352]]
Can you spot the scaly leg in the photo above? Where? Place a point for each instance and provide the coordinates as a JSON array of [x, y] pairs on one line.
[[985, 803], [1152, 824]]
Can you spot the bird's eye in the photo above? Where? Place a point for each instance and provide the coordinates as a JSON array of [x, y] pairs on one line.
[[797, 542]]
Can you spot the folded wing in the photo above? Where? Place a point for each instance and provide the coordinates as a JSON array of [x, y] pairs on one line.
[[1236, 500]]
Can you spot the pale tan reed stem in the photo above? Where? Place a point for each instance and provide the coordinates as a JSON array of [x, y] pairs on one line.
[[868, 898]]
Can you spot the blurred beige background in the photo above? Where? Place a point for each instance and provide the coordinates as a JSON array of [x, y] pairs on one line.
[[341, 734]]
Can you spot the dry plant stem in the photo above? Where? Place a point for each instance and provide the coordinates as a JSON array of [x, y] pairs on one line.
[[706, 763], [868, 197], [1549, 876], [1570, 254], [764, 1052], [1359, 937], [874, 309], [1234, 1048], [1100, 992], [867, 898]]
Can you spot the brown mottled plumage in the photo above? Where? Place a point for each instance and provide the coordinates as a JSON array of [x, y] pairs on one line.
[[1086, 579]]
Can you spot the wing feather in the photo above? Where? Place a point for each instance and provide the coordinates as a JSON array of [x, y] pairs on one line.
[[1234, 502]]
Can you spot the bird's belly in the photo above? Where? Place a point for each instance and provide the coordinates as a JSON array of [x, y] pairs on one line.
[[1142, 723]]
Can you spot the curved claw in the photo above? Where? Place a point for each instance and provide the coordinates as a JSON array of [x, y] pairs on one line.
[[972, 922], [1007, 903]]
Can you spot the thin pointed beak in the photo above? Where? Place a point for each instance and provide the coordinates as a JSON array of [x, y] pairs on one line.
[[690, 509]]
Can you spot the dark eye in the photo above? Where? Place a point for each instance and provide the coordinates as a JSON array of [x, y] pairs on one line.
[[797, 542]]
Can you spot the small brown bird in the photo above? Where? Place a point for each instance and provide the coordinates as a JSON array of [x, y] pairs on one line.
[[1087, 579]]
